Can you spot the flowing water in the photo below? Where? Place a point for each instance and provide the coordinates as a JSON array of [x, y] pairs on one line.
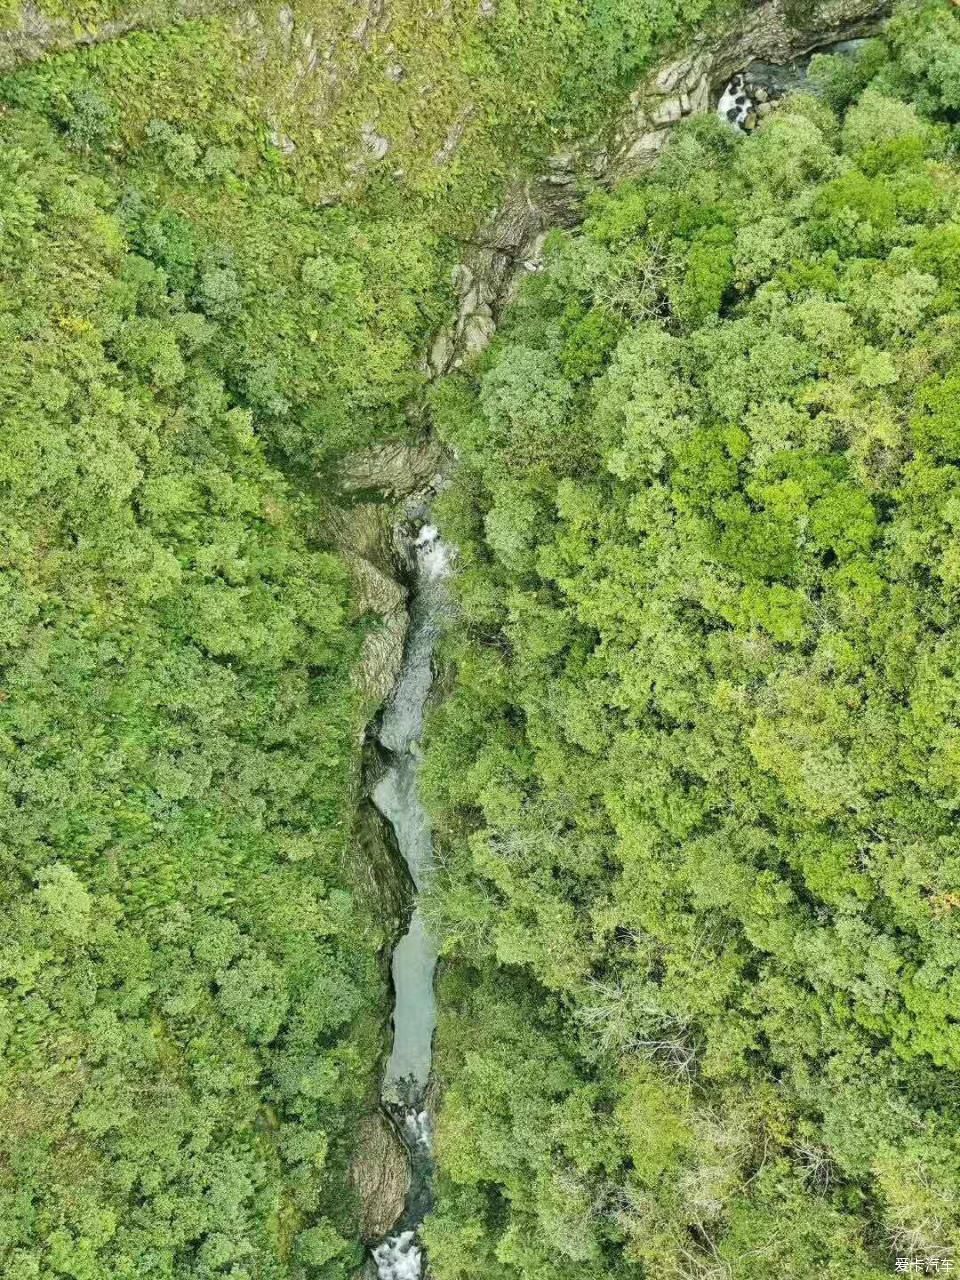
[[407, 1075], [759, 83]]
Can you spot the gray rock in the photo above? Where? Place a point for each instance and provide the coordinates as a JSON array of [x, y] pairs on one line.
[[363, 529], [375, 144], [700, 97], [282, 141], [395, 470], [373, 22], [381, 656], [454, 136], [667, 79], [647, 146], [364, 536], [668, 112], [471, 300], [380, 873], [373, 590], [285, 22], [441, 353], [478, 330], [461, 277], [380, 1175]]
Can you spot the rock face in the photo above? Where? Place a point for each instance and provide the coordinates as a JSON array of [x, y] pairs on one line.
[[381, 868], [32, 34], [380, 1175], [392, 470], [688, 85], [508, 246], [382, 650], [364, 534]]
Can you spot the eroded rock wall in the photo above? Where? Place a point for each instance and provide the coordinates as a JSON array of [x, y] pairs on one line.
[[689, 84], [380, 1175], [35, 32]]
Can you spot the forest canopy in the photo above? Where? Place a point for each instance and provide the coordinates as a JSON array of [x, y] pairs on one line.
[[190, 990], [698, 779], [210, 290]]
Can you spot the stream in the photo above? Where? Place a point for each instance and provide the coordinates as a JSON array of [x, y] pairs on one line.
[[407, 1075], [752, 91]]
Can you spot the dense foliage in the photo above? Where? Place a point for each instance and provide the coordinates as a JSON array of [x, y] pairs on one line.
[[698, 781], [180, 960], [209, 290], [320, 313], [192, 1001]]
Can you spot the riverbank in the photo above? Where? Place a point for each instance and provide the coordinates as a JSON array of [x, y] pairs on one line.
[[498, 260]]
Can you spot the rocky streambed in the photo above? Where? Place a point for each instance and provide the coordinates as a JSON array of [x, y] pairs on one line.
[[407, 1074], [403, 575], [760, 63]]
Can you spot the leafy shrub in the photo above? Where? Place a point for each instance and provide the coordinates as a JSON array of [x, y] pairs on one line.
[[695, 786]]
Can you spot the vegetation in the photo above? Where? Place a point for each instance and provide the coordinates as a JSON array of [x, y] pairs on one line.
[[190, 991], [209, 289], [696, 785]]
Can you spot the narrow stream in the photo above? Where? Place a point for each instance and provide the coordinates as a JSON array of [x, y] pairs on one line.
[[752, 92], [400, 1256], [407, 1075]]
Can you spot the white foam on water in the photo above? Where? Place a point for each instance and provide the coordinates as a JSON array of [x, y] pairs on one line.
[[728, 102], [416, 1125], [399, 1257], [434, 555]]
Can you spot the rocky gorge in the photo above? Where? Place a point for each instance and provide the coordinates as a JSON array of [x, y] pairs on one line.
[[415, 248], [508, 245], [772, 47], [384, 492]]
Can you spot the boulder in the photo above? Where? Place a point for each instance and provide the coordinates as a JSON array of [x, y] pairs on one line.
[[394, 470], [478, 330], [375, 144], [381, 656], [380, 1175]]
